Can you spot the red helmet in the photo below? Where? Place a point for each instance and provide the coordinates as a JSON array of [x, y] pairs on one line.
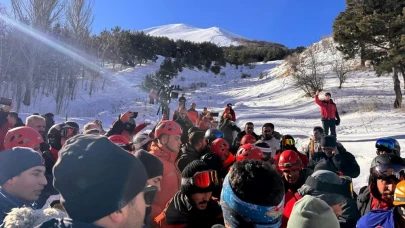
[[167, 127], [247, 139], [289, 159], [249, 152], [119, 140], [219, 146], [23, 137]]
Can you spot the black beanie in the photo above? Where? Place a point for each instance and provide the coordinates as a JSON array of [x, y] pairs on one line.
[[191, 169], [328, 141], [153, 166], [325, 165], [95, 177]]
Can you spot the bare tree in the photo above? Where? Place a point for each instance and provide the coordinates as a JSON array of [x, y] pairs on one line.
[[308, 76], [40, 15], [341, 69]]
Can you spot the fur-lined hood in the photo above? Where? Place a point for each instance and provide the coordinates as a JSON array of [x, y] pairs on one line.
[[27, 217]]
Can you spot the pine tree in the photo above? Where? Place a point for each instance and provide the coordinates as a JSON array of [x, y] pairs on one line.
[[376, 30]]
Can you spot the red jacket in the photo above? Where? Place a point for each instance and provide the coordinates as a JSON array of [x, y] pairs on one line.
[[290, 200], [192, 115], [328, 108], [171, 180]]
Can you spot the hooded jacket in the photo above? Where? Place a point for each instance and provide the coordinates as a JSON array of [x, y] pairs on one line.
[[328, 108], [65, 223], [188, 154], [180, 213], [8, 202], [369, 199], [27, 217], [344, 162], [171, 179]]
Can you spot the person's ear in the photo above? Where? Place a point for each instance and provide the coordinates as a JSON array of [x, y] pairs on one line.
[[118, 217]]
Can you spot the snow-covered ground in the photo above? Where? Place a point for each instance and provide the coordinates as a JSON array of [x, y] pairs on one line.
[[364, 102], [215, 35]]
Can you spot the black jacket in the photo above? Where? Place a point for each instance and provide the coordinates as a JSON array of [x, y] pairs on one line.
[[344, 162], [180, 211], [227, 128], [364, 200], [187, 155], [236, 141], [49, 190], [65, 223], [7, 202], [304, 174], [185, 125]]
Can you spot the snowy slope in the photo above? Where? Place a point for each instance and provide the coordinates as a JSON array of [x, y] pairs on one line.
[[214, 35], [364, 102]]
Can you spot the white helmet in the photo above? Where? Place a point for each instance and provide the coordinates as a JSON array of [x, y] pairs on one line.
[[140, 140]]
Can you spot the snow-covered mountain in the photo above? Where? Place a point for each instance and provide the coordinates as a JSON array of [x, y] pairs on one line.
[[214, 35]]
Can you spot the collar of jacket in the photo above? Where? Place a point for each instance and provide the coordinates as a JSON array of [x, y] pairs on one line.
[[12, 201], [162, 152], [54, 153]]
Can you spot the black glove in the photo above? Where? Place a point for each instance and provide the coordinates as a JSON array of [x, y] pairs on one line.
[[337, 122]]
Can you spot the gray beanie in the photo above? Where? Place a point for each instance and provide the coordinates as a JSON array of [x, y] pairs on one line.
[[17, 160], [310, 212]]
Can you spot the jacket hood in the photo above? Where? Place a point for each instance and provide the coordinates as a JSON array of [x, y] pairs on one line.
[[65, 223], [27, 217], [162, 152]]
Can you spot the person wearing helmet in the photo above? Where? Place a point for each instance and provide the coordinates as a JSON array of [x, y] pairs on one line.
[[294, 175], [249, 130], [193, 150], [185, 124], [142, 141], [193, 114], [388, 145], [287, 142], [220, 147], [385, 172], [387, 218], [249, 152], [125, 125], [212, 134], [334, 153], [122, 142], [4, 124], [23, 137], [166, 147]]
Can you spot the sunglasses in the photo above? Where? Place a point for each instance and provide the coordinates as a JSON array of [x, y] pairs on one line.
[[387, 170], [149, 193], [69, 132], [203, 179]]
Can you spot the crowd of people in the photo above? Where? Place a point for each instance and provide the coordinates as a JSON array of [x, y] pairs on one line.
[[190, 171]]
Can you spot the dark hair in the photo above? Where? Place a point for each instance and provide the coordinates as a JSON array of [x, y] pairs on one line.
[[319, 129], [268, 125], [13, 114], [196, 137], [193, 129], [249, 123], [256, 182]]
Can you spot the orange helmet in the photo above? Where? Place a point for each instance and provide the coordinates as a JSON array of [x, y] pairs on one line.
[[249, 152], [167, 127], [399, 194], [23, 137], [119, 140], [289, 159], [220, 147], [247, 139]]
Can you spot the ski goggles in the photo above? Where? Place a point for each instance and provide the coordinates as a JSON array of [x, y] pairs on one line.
[[219, 135], [386, 171], [288, 165], [202, 179], [384, 144], [69, 132], [288, 142], [149, 193]]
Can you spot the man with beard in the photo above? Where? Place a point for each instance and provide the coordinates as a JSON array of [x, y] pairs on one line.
[[21, 179], [193, 150], [385, 172], [94, 192], [271, 137], [193, 206], [249, 130], [38, 123], [314, 145]]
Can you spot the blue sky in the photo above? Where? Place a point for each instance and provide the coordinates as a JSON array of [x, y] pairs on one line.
[[289, 22]]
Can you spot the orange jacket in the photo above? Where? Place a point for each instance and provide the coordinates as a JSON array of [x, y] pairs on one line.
[[171, 180], [192, 115], [328, 108]]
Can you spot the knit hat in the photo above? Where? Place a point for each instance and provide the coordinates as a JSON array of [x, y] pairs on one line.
[[328, 141], [311, 212], [325, 165], [191, 169], [17, 160], [153, 166], [95, 177]]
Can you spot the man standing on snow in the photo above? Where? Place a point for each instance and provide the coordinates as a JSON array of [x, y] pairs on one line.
[[330, 116]]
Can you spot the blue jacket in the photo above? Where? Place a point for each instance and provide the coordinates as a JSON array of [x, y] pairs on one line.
[[7, 202], [375, 218]]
